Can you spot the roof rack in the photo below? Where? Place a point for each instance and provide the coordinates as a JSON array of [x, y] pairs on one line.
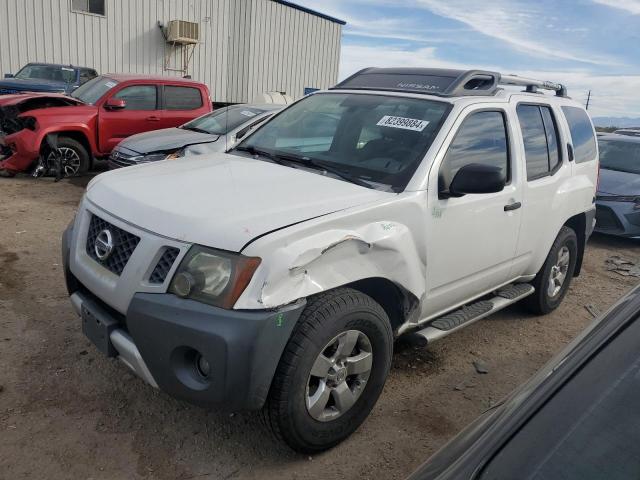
[[441, 82], [532, 85]]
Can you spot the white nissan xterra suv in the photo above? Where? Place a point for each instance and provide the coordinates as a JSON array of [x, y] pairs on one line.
[[276, 276]]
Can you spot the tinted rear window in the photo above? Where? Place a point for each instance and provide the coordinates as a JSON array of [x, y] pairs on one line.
[[182, 98], [584, 143]]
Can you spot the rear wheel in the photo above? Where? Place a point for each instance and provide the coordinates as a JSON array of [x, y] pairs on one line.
[[73, 156], [332, 371], [553, 279]]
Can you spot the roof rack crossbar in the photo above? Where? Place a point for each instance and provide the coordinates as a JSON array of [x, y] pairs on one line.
[[532, 85]]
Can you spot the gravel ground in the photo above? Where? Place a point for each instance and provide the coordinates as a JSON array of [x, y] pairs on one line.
[[68, 412]]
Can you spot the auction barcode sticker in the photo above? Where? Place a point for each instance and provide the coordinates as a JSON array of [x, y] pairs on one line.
[[402, 122]]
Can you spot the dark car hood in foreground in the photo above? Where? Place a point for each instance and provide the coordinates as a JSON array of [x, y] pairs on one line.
[[30, 85], [469, 452], [613, 182], [165, 139]]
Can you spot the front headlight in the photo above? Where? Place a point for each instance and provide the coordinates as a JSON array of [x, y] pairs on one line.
[[213, 276]]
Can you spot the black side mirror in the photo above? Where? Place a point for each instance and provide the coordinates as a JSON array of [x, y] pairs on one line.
[[8, 75], [477, 178]]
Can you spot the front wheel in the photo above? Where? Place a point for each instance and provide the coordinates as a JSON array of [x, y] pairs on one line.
[[553, 279], [332, 371], [72, 157]]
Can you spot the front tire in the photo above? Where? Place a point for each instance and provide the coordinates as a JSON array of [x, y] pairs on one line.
[[553, 279], [332, 371], [74, 156]]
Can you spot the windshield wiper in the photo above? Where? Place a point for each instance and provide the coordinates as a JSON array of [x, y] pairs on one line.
[[287, 160], [196, 129], [261, 153], [323, 166]]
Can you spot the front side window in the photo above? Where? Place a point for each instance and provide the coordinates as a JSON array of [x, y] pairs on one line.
[[378, 139], [620, 156], [93, 90], [540, 137], [47, 72], [138, 97], [584, 142], [182, 98], [482, 138]]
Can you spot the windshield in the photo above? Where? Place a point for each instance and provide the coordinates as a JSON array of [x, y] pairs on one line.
[[224, 120], [47, 72], [620, 156], [376, 138], [94, 89]]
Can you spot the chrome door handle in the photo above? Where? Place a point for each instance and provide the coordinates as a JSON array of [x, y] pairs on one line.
[[512, 206]]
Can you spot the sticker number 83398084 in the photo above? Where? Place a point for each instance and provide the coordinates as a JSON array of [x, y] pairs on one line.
[[402, 122]]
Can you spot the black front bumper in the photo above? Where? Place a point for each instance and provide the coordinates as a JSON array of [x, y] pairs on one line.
[[243, 348]]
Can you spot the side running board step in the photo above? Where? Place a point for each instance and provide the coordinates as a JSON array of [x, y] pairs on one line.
[[452, 321]]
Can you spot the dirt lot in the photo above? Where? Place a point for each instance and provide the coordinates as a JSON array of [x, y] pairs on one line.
[[68, 412]]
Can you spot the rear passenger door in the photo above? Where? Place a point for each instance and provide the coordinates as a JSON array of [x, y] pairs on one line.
[[543, 148], [181, 104], [472, 239]]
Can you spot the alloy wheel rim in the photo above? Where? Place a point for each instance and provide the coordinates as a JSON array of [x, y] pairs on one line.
[[339, 375], [70, 160], [558, 273]]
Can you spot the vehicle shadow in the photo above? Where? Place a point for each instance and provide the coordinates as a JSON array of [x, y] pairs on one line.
[[612, 242]]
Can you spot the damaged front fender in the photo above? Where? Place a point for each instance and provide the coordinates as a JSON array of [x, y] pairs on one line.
[[332, 257]]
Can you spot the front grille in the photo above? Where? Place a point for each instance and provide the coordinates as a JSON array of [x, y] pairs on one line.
[[160, 272], [606, 219], [124, 243], [118, 160]]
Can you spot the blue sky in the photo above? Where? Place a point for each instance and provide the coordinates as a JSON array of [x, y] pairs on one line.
[[586, 44]]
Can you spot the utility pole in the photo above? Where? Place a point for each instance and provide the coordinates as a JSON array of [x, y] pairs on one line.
[[588, 100]]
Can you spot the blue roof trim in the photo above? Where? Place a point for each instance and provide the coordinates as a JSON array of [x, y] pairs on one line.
[[312, 12]]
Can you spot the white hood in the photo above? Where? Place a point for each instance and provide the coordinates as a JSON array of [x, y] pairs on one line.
[[221, 200]]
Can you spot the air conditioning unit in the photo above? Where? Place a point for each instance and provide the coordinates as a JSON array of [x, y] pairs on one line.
[[182, 32]]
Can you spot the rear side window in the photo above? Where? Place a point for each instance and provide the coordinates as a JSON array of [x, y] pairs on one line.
[[182, 98], [584, 143], [541, 141], [138, 97], [482, 138]]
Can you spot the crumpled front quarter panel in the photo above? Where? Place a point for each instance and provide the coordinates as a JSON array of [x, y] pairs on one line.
[[383, 240]]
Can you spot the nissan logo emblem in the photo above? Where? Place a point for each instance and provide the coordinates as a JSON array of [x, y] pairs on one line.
[[103, 245]]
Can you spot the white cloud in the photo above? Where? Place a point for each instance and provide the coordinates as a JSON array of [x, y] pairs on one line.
[[514, 23], [631, 6]]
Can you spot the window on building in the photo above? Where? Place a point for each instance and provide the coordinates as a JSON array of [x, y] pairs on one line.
[[541, 141], [584, 143], [182, 98], [88, 6], [482, 138], [138, 97]]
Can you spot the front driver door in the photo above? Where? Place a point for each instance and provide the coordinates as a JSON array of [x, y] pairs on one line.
[[472, 239], [140, 114]]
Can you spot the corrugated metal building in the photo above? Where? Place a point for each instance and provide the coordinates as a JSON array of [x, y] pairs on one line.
[[245, 47]]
